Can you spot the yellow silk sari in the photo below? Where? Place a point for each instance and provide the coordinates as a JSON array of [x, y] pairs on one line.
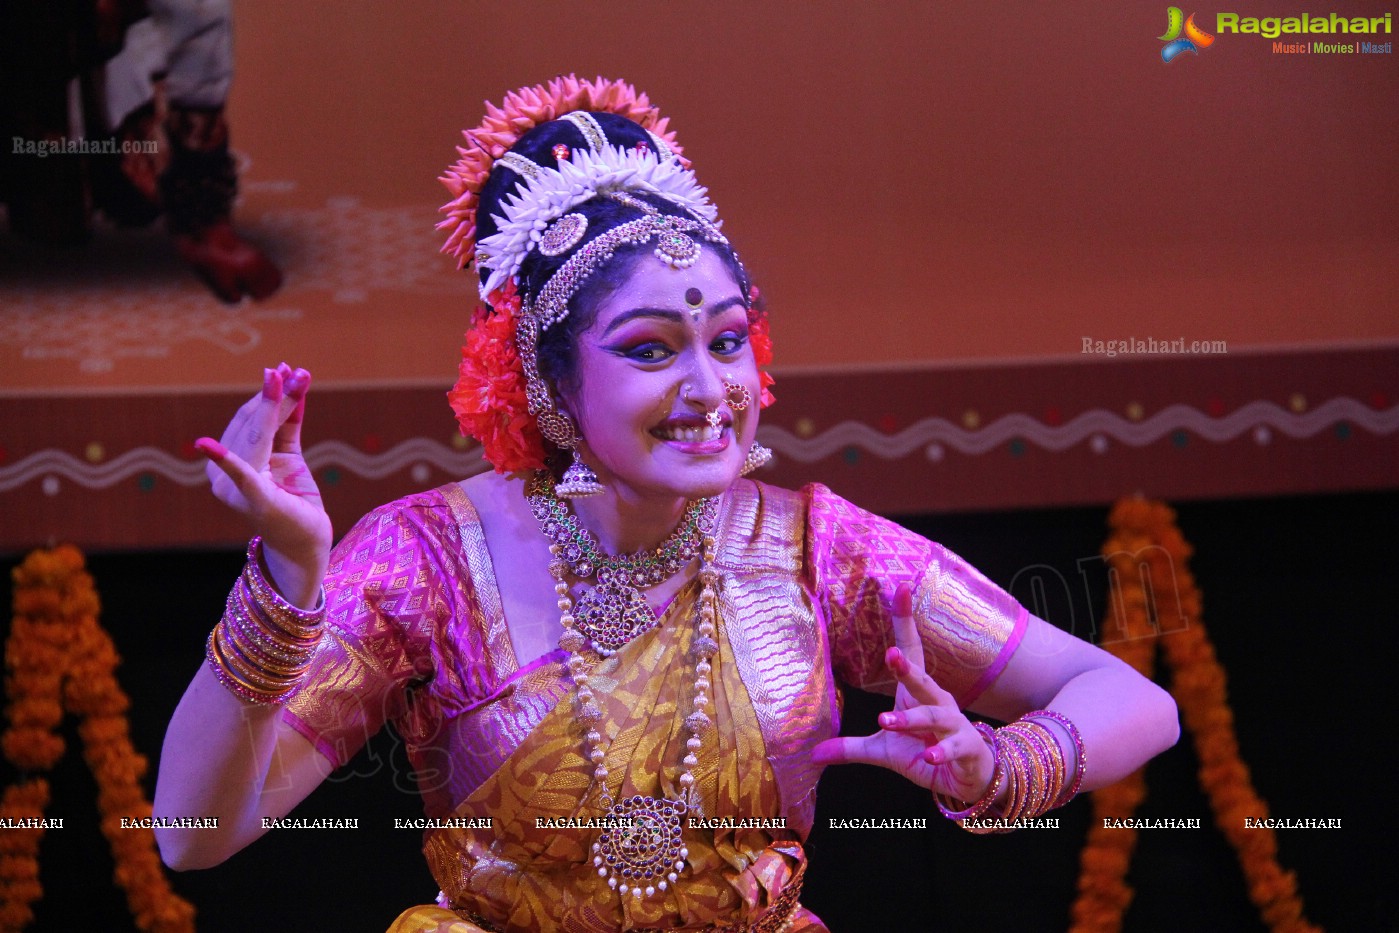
[[417, 635], [524, 873]]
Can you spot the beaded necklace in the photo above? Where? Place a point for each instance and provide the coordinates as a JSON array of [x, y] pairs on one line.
[[641, 848]]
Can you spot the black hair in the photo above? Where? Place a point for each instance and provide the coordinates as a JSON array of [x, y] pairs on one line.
[[557, 348]]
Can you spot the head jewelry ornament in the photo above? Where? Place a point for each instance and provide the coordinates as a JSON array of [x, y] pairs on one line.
[[546, 194], [540, 214]]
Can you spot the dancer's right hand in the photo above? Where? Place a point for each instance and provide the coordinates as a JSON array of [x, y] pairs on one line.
[[257, 469]]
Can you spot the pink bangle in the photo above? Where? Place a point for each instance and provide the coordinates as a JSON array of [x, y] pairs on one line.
[[988, 735], [1080, 756], [294, 620], [263, 646]]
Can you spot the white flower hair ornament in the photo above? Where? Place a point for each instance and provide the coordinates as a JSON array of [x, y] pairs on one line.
[[546, 194]]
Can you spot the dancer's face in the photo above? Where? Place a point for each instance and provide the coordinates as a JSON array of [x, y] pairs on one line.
[[650, 367]]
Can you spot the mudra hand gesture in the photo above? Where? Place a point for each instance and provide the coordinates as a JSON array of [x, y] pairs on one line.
[[257, 469], [926, 738]]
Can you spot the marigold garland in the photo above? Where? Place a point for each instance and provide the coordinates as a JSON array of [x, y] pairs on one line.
[[59, 659], [1145, 542]]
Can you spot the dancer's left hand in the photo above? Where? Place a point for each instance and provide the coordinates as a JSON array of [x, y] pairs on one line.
[[926, 737]]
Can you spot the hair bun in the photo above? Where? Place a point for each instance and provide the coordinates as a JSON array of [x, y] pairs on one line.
[[520, 112]]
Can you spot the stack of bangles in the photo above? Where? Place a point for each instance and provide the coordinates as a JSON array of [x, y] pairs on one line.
[[262, 646], [1029, 761]]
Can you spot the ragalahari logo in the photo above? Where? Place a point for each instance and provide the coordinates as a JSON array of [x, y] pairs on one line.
[[1193, 41]]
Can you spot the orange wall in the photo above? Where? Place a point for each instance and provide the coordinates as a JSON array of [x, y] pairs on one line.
[[913, 181], [910, 182]]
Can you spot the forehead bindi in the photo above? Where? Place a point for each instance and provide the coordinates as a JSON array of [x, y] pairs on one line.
[[654, 291]]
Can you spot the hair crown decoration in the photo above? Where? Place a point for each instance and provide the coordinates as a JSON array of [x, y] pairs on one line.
[[518, 190]]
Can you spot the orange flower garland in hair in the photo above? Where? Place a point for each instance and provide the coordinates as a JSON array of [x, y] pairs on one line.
[[489, 398], [521, 111], [1146, 543], [59, 659], [761, 341]]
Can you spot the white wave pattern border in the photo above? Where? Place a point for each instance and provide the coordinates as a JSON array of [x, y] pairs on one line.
[[50, 467], [1089, 426]]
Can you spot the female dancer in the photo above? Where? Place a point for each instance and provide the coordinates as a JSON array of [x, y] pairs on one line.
[[614, 660]]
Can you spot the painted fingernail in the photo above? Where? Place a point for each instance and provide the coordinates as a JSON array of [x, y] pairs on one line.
[[903, 600], [895, 659], [933, 755], [891, 720], [211, 449], [267, 383]]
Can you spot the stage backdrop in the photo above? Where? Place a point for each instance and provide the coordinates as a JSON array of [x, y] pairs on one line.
[[945, 204], [977, 227]]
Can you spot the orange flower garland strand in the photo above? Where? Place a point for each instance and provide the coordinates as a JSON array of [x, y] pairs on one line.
[[1145, 550], [59, 659]]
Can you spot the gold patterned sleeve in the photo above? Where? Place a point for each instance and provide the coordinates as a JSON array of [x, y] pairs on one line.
[[856, 560], [379, 589]]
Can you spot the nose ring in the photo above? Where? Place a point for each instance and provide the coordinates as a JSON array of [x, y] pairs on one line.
[[737, 396]]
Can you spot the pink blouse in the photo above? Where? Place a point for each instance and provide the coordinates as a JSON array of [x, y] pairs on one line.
[[416, 633]]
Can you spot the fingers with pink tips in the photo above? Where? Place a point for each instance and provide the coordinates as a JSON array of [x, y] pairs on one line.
[[211, 449], [272, 385], [298, 385], [905, 627], [903, 600]]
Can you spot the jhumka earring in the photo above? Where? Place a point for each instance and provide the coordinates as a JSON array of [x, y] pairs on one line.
[[579, 481], [740, 398], [757, 456]]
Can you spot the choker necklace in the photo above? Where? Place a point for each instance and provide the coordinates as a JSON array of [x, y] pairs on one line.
[[641, 850], [614, 611]]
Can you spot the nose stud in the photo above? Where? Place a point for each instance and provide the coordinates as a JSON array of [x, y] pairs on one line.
[[737, 396]]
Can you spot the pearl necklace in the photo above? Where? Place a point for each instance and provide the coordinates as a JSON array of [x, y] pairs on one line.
[[641, 850]]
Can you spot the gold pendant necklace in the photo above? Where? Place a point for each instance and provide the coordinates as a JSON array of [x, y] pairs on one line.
[[641, 850], [615, 611]]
